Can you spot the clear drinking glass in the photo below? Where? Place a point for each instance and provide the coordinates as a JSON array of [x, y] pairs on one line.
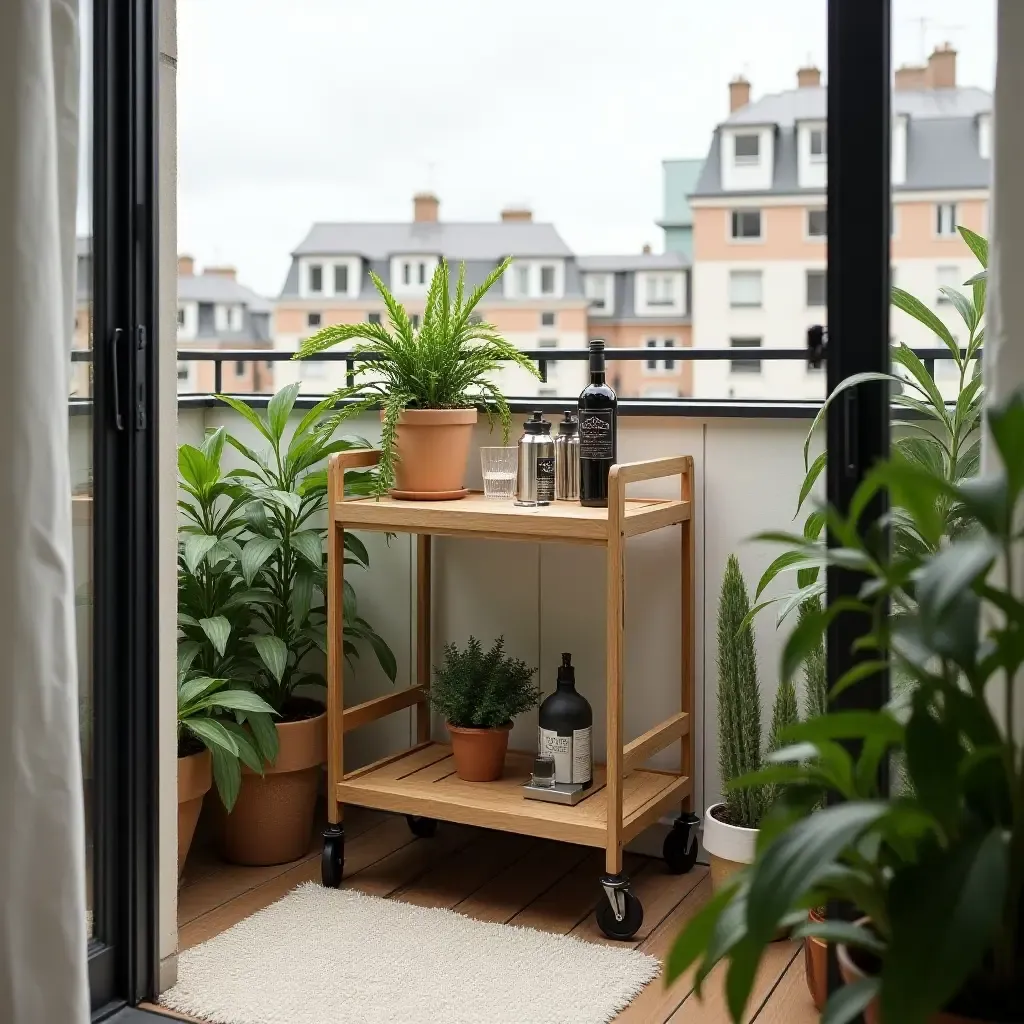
[[544, 771], [498, 466]]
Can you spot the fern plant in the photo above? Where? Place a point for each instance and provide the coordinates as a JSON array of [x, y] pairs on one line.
[[445, 364], [478, 690]]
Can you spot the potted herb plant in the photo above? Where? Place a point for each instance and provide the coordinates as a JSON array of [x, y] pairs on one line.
[[937, 870], [212, 741], [479, 694], [428, 382], [731, 826], [252, 580]]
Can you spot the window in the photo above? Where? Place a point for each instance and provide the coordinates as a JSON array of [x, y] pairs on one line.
[[406, 273], [744, 288], [373, 318], [547, 343], [817, 140], [182, 371], [816, 288], [817, 223], [340, 279], [744, 365], [547, 280], [414, 319], [522, 279], [596, 288], [269, 365], [181, 317], [747, 148], [316, 277], [746, 223], [945, 219], [313, 319], [659, 290], [421, 273], [948, 277], [661, 365], [239, 367], [547, 319], [547, 392]]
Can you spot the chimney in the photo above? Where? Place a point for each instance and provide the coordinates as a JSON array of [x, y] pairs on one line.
[[808, 77], [942, 67], [517, 213], [186, 266], [424, 208], [739, 93], [228, 272], [911, 77], [646, 249]]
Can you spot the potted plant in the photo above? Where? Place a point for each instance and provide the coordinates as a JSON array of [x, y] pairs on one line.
[[251, 593], [479, 694], [428, 382], [212, 741], [731, 826], [937, 870]]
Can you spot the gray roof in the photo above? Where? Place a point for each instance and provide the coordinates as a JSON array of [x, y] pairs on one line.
[[454, 241], [640, 261], [942, 138], [219, 288]]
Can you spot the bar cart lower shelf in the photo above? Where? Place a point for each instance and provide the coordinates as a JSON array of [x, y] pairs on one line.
[[421, 782]]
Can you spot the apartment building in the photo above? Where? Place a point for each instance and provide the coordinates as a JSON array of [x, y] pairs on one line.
[[760, 226], [538, 304], [215, 311], [642, 301]]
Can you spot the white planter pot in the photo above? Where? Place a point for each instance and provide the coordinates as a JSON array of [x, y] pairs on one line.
[[729, 846]]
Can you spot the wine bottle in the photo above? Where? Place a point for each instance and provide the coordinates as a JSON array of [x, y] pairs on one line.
[[597, 427], [564, 727]]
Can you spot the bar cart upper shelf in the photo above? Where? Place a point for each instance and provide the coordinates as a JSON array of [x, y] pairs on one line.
[[420, 782]]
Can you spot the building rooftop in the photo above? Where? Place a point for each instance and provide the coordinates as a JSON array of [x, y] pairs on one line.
[[680, 179], [219, 288], [639, 261]]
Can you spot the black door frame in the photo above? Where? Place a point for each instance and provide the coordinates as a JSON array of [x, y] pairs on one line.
[[124, 955], [859, 213]]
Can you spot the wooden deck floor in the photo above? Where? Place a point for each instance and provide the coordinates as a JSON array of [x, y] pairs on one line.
[[500, 877]]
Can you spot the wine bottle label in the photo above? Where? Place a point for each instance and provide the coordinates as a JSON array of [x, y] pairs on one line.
[[573, 761], [597, 434], [546, 479]]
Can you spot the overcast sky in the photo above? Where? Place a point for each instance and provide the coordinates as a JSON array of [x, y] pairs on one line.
[[293, 111]]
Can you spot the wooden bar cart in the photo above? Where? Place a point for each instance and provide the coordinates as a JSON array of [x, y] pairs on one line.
[[421, 783]]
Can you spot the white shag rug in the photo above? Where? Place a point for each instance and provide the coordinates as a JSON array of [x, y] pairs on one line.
[[335, 956]]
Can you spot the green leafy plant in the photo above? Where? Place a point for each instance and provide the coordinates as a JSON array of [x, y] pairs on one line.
[[739, 703], [445, 364], [943, 437], [815, 669], [482, 690], [282, 497], [939, 870], [233, 723]]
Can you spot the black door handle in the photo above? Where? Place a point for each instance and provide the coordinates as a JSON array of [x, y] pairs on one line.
[[115, 355]]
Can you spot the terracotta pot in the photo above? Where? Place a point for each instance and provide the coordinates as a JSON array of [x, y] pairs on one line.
[[272, 820], [479, 753], [195, 777], [816, 965], [852, 972], [433, 446], [729, 847]]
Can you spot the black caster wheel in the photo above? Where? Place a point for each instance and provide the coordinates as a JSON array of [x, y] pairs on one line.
[[332, 860], [680, 847], [420, 827], [619, 914]]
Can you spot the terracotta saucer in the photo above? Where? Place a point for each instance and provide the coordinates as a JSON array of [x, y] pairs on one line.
[[460, 492]]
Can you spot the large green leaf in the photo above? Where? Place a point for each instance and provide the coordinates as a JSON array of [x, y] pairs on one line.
[[288, 500], [192, 466], [357, 548], [192, 690], [236, 700], [920, 312], [1006, 424], [247, 412], [302, 595], [953, 570], [247, 751], [976, 243], [849, 1002], [227, 774], [264, 734], [309, 544], [854, 380], [213, 447], [255, 552], [218, 630], [213, 734], [933, 754], [279, 408], [195, 548], [905, 356], [693, 941], [273, 652], [384, 654], [944, 913], [964, 307], [188, 650]]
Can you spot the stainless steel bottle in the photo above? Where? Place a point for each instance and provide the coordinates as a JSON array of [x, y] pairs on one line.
[[567, 460], [536, 463]]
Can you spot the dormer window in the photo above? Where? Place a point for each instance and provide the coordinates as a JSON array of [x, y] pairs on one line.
[[660, 291], [817, 140], [747, 148], [597, 288]]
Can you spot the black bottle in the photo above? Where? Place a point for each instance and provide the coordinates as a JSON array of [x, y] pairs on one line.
[[597, 405], [564, 728]]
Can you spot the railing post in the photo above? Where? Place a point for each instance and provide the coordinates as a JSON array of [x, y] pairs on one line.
[[350, 376], [218, 377]]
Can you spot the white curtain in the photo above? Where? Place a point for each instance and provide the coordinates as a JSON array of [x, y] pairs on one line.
[[43, 974], [1003, 365]]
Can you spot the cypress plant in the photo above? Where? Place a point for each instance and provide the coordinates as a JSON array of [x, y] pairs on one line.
[[815, 678], [739, 699]]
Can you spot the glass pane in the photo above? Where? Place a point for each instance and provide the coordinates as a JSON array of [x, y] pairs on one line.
[[80, 432]]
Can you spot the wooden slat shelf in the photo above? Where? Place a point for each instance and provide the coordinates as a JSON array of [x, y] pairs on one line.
[[423, 782], [476, 515]]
